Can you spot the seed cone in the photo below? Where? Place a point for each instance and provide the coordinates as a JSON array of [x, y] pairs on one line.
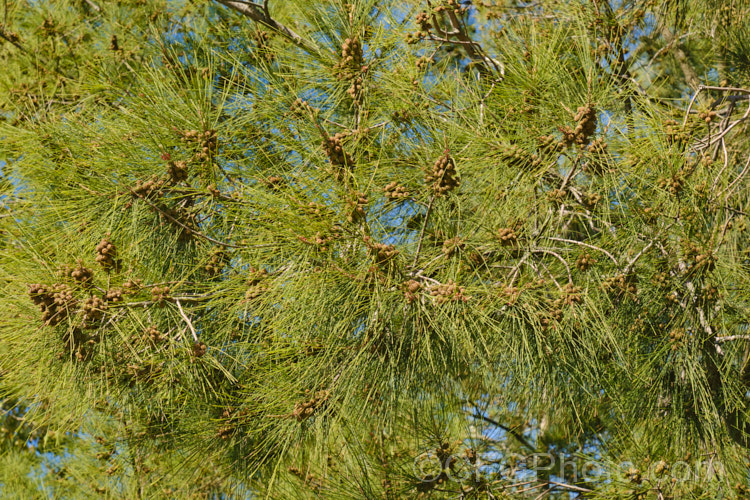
[[199, 349]]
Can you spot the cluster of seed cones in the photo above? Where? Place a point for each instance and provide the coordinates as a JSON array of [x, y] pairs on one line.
[[423, 62], [586, 126], [216, 261], [261, 38], [621, 285], [677, 338], [153, 335], [515, 156], [113, 295], [340, 159], [585, 261], [452, 246], [510, 294], [93, 310], [106, 254], [448, 292], [351, 61], [159, 295], [590, 200], [393, 191], [145, 189], [442, 177], [507, 236], [82, 275], [177, 171], [550, 145], [422, 19], [256, 285], [206, 143], [55, 302], [358, 205], [199, 349], [676, 134], [673, 184], [306, 409], [301, 108], [584, 129], [382, 252]]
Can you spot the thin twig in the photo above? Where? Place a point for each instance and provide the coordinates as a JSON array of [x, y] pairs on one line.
[[667, 47], [558, 257], [570, 174], [147, 303], [734, 182], [259, 13], [517, 268], [593, 247], [93, 5], [543, 494], [724, 167], [187, 320], [690, 106], [730, 338], [507, 429], [192, 230], [569, 487], [637, 256]]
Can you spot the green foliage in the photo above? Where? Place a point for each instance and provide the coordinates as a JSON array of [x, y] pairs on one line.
[[374, 250]]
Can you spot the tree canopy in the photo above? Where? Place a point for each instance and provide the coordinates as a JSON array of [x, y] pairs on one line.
[[374, 249]]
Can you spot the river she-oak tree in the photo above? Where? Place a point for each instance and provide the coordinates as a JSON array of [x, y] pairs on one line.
[[359, 249]]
